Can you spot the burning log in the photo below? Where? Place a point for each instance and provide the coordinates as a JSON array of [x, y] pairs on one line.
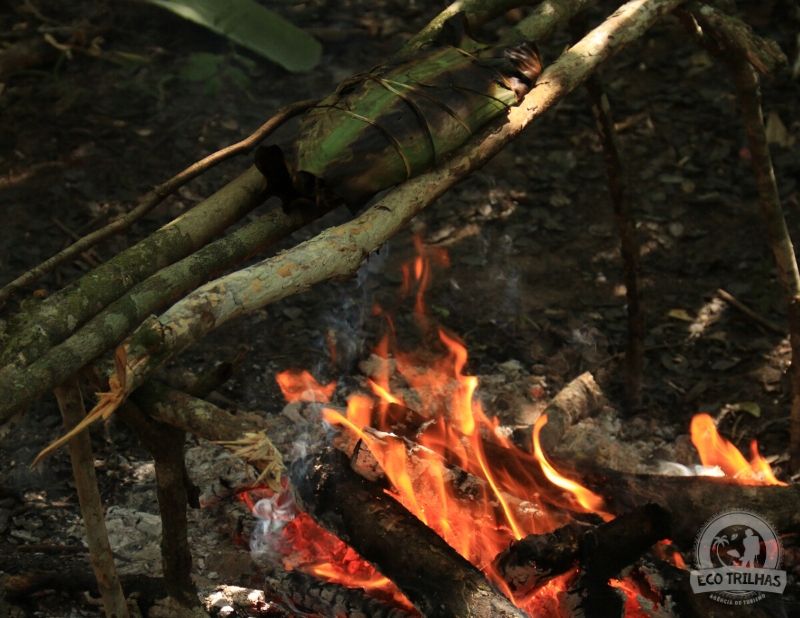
[[601, 552], [693, 500], [308, 593], [438, 581], [466, 487]]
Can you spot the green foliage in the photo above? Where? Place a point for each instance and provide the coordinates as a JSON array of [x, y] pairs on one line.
[[252, 26]]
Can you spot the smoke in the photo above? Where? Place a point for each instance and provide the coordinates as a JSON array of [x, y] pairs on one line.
[[273, 514]]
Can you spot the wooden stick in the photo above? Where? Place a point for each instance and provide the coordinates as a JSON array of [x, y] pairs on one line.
[[732, 34], [153, 198], [601, 551], [579, 399], [691, 500], [173, 488], [757, 318], [70, 403], [777, 231], [732, 46], [339, 251], [35, 330], [629, 246]]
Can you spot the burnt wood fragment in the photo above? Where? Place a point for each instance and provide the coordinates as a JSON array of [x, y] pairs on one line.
[[438, 581]]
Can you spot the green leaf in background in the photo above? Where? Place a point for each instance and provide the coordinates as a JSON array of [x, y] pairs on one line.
[[252, 26]]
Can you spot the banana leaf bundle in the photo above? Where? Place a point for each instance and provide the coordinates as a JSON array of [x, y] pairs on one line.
[[383, 127]]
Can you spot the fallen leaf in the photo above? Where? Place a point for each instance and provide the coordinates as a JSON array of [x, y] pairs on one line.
[[680, 314], [777, 132]]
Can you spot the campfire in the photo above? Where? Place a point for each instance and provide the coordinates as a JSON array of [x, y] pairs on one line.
[[403, 490], [418, 430]]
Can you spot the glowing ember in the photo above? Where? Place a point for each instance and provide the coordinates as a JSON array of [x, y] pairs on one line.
[[715, 450], [294, 540]]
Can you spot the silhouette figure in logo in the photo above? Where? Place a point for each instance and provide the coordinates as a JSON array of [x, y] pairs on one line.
[[752, 547]]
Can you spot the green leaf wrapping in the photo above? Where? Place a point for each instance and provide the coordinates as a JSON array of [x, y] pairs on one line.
[[393, 123]]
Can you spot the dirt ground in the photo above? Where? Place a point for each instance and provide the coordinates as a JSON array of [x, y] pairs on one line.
[[535, 275]]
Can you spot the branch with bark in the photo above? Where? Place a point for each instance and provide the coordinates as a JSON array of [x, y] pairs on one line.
[[153, 198]]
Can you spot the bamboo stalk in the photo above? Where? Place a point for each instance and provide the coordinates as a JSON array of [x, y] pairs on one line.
[[339, 251], [70, 403], [153, 198]]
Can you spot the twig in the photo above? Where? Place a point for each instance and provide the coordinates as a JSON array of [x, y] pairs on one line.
[[90, 256], [629, 246], [70, 403], [339, 251], [757, 318], [730, 46], [153, 198], [476, 12], [732, 34]]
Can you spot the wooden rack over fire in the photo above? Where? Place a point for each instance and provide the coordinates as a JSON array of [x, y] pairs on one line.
[[342, 482]]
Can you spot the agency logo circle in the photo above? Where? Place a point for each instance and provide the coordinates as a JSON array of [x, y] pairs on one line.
[[738, 558]]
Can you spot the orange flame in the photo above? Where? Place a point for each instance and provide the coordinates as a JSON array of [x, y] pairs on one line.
[[440, 469], [585, 497], [300, 385], [714, 450]]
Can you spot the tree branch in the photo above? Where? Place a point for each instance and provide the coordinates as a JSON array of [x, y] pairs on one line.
[[153, 198]]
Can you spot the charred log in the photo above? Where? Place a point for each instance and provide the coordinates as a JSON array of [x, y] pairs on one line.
[[309, 594], [438, 581], [601, 552]]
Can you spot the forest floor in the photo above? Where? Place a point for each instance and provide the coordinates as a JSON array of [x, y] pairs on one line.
[[534, 277]]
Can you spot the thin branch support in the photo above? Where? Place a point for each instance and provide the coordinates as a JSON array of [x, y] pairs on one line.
[[175, 492], [629, 246], [70, 403], [777, 232]]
